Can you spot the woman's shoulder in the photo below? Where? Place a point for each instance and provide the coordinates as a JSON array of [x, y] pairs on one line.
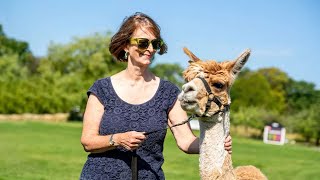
[[102, 81], [166, 85]]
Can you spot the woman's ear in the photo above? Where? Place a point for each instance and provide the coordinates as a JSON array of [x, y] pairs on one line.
[[126, 48]]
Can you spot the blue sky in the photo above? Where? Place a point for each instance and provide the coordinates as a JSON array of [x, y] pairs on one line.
[[283, 34]]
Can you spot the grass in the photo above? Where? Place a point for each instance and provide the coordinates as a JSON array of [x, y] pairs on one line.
[[36, 150]]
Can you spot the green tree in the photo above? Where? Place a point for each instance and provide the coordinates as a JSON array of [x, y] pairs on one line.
[[254, 117], [300, 95], [11, 46], [278, 81], [59, 81], [10, 69], [306, 121], [72, 68], [171, 72], [88, 56], [305, 124], [253, 89]]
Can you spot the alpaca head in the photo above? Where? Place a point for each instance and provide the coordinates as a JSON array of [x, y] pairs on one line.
[[219, 76]]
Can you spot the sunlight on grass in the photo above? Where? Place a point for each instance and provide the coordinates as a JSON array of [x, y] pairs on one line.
[[36, 150]]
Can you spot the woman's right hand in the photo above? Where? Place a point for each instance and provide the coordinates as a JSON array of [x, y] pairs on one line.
[[130, 140]]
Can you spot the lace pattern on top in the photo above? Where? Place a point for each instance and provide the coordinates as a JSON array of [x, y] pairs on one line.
[[120, 116]]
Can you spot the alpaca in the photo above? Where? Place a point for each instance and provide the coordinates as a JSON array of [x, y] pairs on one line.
[[207, 95]]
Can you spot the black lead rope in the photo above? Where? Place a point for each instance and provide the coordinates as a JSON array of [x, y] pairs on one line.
[[134, 159], [134, 165], [179, 124]]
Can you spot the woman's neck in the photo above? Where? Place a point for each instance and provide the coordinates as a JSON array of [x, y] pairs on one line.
[[135, 86], [136, 74]]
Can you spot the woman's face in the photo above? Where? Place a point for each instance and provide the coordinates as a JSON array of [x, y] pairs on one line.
[[141, 56]]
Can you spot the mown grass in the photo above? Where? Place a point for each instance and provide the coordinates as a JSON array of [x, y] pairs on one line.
[[36, 150]]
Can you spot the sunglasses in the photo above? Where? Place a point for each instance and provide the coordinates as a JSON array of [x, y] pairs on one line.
[[143, 43]]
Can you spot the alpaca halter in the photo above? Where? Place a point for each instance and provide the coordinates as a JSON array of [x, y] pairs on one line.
[[213, 98]]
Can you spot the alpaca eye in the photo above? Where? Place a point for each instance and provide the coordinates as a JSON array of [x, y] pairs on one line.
[[218, 85]]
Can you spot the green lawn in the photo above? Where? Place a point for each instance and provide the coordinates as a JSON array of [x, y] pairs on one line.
[[35, 150]]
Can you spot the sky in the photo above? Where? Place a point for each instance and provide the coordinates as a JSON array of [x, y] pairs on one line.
[[283, 34]]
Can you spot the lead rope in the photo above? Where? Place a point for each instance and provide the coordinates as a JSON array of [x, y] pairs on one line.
[[134, 165], [175, 125], [134, 158]]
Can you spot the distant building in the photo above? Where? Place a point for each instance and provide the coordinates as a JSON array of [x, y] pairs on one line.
[[274, 133]]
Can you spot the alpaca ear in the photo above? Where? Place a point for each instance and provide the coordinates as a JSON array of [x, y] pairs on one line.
[[230, 65], [193, 58], [239, 62]]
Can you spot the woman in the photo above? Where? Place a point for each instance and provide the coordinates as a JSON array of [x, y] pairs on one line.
[[131, 109]]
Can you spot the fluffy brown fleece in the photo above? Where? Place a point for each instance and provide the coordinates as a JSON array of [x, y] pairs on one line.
[[220, 72]]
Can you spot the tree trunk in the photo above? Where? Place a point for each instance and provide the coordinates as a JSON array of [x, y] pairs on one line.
[[307, 139]]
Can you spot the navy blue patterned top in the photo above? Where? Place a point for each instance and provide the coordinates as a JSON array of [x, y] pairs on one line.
[[120, 116]]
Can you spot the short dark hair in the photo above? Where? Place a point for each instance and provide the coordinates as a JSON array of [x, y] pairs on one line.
[[127, 28]]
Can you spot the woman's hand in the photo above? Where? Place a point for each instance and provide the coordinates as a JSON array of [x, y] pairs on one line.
[[129, 140], [228, 144]]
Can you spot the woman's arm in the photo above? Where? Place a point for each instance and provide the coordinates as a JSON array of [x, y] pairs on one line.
[[183, 134], [95, 143], [90, 139]]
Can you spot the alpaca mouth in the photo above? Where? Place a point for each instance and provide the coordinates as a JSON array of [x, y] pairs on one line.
[[188, 105], [188, 102]]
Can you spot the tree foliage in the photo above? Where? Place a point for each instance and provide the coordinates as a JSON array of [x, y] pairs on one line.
[[268, 94], [278, 81], [171, 72], [300, 95], [58, 82], [253, 89]]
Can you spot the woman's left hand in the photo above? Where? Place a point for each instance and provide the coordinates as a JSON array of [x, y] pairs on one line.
[[228, 144]]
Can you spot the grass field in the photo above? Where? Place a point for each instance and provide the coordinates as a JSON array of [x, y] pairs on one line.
[[35, 150]]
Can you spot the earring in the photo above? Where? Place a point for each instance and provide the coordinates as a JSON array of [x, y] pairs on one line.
[[126, 55]]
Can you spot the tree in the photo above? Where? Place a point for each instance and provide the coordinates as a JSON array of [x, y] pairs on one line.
[[59, 81], [72, 68], [10, 69], [300, 95], [88, 56], [171, 72], [253, 89], [278, 81], [11, 46], [254, 117]]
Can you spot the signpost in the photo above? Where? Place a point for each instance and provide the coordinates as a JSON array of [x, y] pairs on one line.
[[274, 133]]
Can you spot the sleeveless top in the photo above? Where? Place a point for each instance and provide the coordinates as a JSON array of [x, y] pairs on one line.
[[120, 116]]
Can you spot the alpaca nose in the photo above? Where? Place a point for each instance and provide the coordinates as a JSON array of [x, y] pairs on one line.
[[188, 88]]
